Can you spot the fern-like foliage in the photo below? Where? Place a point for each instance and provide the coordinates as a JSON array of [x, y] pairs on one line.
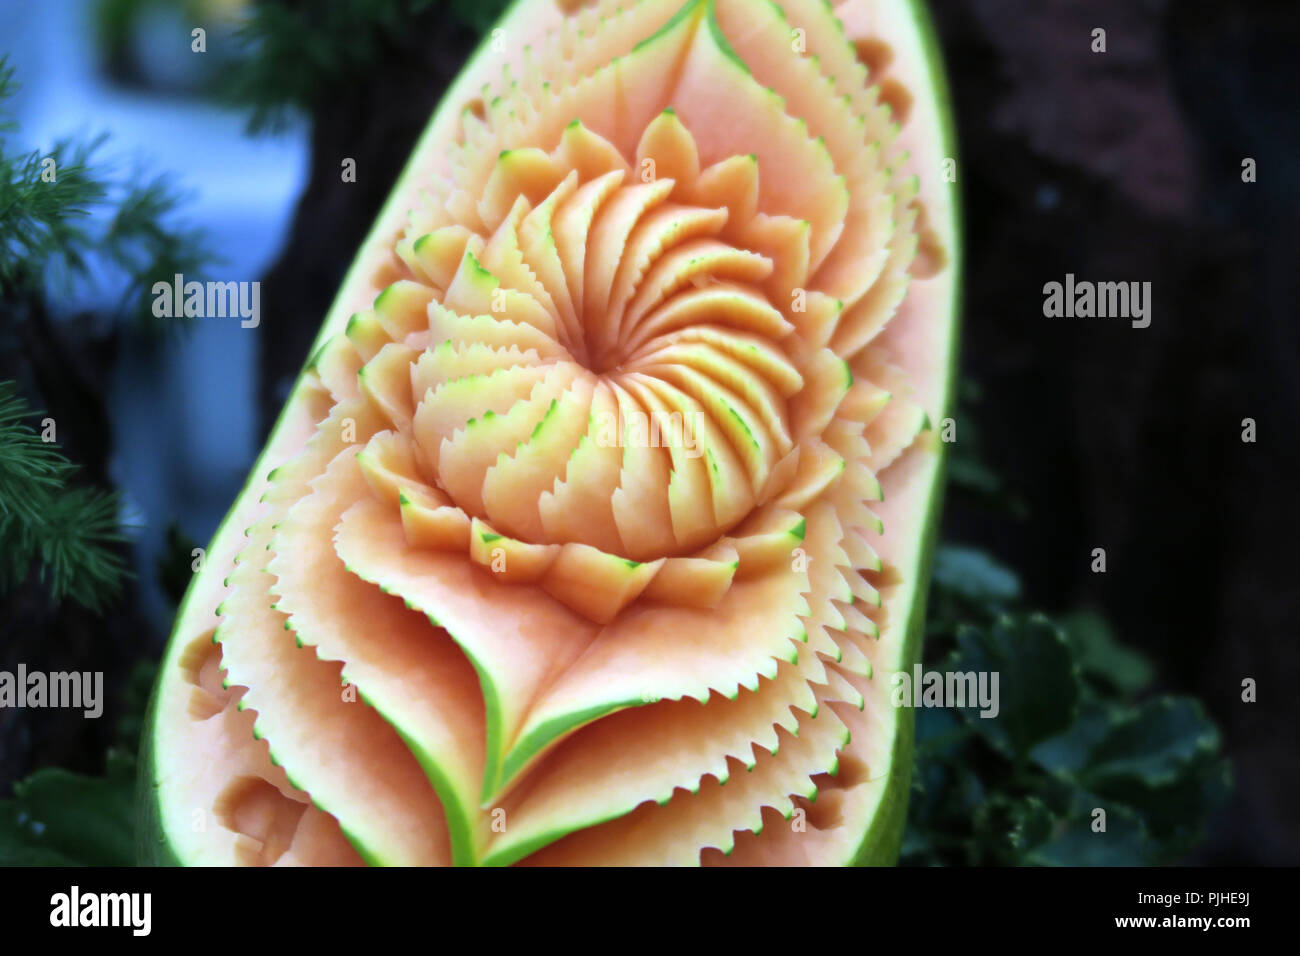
[[68, 534], [62, 211]]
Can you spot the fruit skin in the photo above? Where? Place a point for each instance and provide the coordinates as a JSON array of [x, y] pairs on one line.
[[883, 839], [159, 844], [152, 848]]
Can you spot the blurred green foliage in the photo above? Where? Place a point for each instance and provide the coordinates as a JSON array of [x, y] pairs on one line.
[[1076, 732], [1078, 727], [64, 217], [68, 215], [66, 535], [151, 44], [60, 818]]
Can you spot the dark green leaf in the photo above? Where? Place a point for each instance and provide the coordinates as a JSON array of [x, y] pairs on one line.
[[1067, 752], [974, 575], [1037, 681], [1153, 744], [1031, 823], [1101, 657], [61, 818], [1124, 842]]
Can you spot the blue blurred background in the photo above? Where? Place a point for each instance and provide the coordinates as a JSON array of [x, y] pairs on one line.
[[184, 411]]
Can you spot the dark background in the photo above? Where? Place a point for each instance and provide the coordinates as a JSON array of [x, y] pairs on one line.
[[1127, 166], [1122, 166]]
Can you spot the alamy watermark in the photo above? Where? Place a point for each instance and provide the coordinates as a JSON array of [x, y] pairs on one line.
[[1084, 299], [208, 300], [82, 690], [953, 689], [659, 429], [132, 911]]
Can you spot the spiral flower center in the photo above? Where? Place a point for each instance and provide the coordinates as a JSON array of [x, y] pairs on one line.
[[604, 366]]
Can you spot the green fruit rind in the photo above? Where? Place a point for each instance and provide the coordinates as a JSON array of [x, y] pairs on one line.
[[883, 837]]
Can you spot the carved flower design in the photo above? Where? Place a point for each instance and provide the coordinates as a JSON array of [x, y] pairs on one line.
[[591, 515]]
